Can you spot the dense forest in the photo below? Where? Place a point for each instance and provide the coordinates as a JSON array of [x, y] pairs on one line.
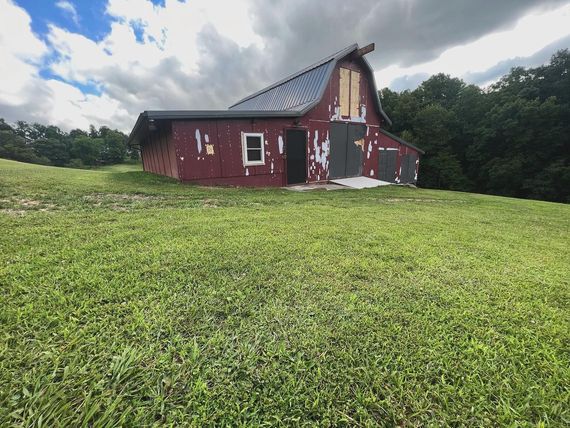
[[510, 139], [49, 145]]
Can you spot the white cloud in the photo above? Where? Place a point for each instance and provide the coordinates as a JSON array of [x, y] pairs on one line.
[[174, 28], [530, 34], [20, 51], [179, 63], [208, 53], [25, 95], [69, 9], [174, 66]]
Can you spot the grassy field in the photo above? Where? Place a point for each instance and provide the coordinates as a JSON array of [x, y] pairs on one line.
[[129, 299], [124, 167]]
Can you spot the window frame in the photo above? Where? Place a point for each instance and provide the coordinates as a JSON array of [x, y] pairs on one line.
[[246, 161]]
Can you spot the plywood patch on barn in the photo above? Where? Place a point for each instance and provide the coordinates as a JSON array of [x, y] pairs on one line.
[[344, 92], [354, 94]]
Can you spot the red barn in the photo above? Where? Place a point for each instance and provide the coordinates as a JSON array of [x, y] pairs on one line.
[[322, 123]]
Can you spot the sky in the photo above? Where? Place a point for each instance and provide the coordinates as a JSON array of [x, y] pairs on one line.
[[72, 63]]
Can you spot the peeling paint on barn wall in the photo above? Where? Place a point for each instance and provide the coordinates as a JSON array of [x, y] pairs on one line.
[[198, 141], [318, 150], [225, 166], [319, 159]]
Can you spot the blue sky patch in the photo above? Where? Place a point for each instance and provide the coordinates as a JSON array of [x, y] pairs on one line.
[[94, 23]]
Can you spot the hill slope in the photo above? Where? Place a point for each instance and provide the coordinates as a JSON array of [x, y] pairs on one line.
[[131, 299]]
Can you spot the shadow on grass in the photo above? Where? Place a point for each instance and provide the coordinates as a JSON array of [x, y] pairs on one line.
[[138, 178]]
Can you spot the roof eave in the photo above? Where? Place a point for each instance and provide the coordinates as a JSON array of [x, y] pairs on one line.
[[136, 130], [401, 141], [376, 97], [148, 115]]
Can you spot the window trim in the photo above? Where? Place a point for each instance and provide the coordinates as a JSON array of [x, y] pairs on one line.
[[244, 136]]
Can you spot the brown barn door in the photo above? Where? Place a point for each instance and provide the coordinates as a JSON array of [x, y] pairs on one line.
[[387, 165], [296, 151], [408, 174], [346, 155]]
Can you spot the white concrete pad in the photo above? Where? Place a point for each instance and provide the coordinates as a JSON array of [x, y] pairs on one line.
[[360, 182], [313, 186]]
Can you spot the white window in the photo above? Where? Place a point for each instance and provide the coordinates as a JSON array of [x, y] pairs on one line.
[[252, 148]]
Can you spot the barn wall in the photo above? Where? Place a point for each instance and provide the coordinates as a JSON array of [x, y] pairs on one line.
[[210, 151], [329, 110], [158, 153], [385, 142]]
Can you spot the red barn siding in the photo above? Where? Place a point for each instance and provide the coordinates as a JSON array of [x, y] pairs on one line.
[[158, 153], [371, 151], [225, 165], [318, 149], [387, 142]]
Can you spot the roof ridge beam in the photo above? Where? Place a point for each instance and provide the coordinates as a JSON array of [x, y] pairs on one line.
[[364, 50]]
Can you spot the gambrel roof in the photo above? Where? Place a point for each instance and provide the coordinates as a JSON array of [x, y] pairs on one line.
[[291, 97], [303, 90]]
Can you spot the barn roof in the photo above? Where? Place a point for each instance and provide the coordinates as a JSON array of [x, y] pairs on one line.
[[291, 97], [301, 91], [399, 140], [149, 116]]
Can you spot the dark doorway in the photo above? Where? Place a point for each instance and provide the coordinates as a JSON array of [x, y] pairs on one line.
[[408, 174], [346, 156], [387, 165], [296, 150]]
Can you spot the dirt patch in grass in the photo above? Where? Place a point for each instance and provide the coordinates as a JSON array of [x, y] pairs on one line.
[[422, 200], [121, 201], [19, 206], [210, 203], [126, 202], [13, 213], [102, 197]]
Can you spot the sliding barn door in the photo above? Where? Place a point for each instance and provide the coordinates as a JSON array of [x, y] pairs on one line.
[[346, 154]]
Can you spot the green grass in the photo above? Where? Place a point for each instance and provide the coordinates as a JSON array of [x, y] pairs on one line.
[[124, 167], [129, 299]]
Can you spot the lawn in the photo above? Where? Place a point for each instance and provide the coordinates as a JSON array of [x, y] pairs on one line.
[[130, 299], [125, 167]]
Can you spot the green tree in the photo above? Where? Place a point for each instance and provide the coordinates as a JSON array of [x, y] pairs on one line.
[[436, 127], [56, 150], [87, 150], [440, 89], [114, 147], [510, 139], [4, 126], [13, 146]]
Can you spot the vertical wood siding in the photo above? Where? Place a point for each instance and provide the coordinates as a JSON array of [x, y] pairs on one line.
[[159, 154]]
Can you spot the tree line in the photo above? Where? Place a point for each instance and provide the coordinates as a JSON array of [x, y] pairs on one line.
[[49, 145], [511, 139]]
